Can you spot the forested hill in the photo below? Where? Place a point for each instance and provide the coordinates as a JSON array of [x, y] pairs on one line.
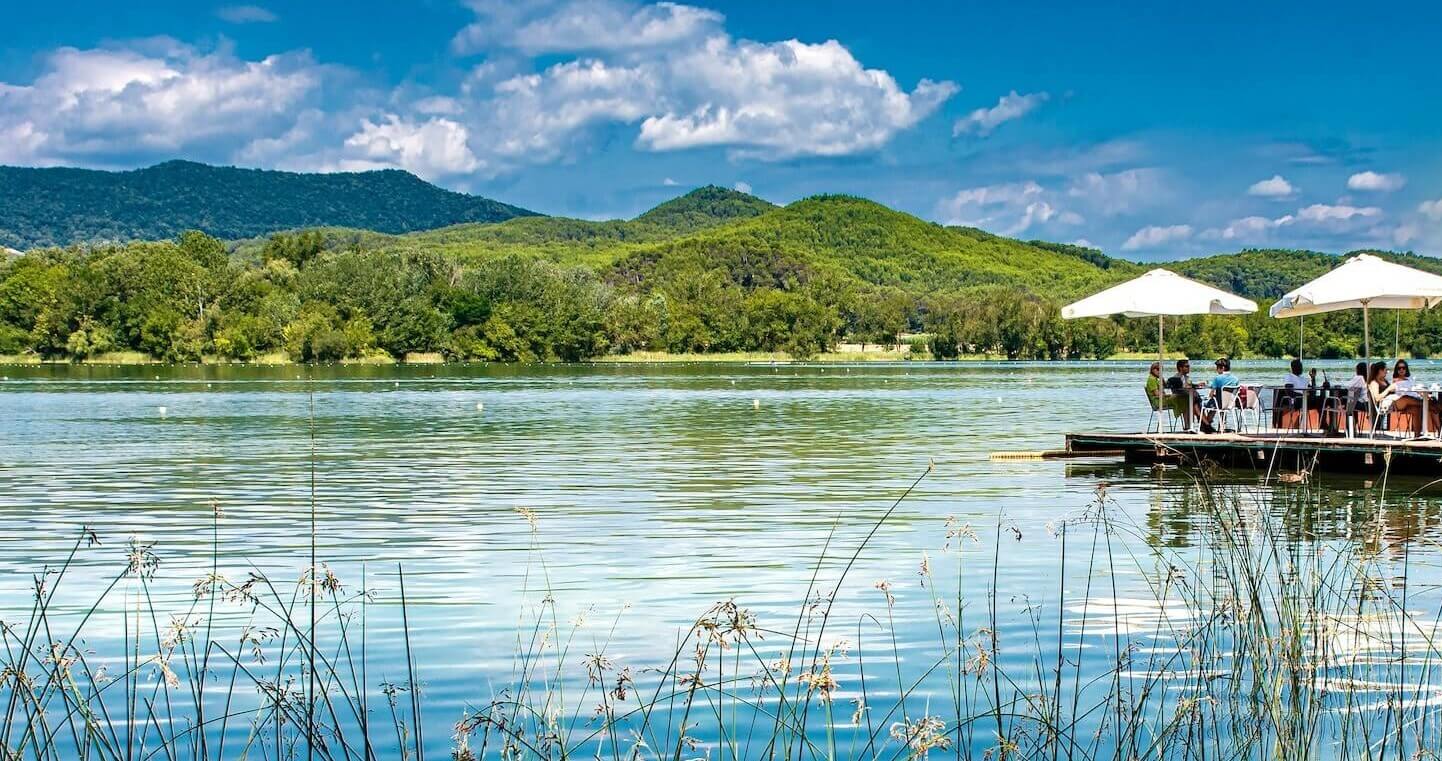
[[1267, 274], [711, 271], [60, 206]]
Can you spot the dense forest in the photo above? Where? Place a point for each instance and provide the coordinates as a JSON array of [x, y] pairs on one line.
[[712, 271], [61, 206]]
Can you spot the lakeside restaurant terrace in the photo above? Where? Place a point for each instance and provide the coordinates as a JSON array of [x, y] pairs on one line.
[[1328, 411]]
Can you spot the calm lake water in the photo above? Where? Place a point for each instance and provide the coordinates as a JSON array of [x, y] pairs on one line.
[[656, 491]]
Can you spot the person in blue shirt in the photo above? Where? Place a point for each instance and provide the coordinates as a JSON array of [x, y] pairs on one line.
[[1223, 379]]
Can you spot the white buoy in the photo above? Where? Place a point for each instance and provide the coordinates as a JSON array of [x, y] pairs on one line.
[[162, 410], [480, 407], [755, 404], [157, 377], [398, 384]]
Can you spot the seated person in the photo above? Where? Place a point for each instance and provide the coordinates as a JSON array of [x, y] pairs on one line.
[[1290, 403], [1379, 390], [1182, 388], [1407, 401], [1356, 398], [1223, 380], [1294, 378], [1168, 400]]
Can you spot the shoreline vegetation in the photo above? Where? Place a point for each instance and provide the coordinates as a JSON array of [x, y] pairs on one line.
[[1250, 643], [124, 359], [714, 274]]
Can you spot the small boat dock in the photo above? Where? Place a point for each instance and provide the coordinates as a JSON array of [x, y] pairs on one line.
[[1277, 452]]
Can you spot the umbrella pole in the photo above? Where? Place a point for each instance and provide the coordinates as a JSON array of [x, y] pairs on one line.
[[1367, 332], [1161, 352]]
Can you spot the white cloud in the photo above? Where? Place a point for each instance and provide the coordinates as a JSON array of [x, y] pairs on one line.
[[1430, 209], [1010, 106], [246, 14], [742, 187], [1326, 213], [161, 99], [583, 26], [1372, 181], [436, 147], [1007, 209], [779, 100], [1246, 229], [666, 74], [1121, 192], [668, 182], [1153, 236], [1276, 187]]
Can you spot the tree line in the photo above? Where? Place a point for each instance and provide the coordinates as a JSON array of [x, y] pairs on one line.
[[192, 298]]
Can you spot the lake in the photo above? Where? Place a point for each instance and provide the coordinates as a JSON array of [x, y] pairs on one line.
[[619, 502]]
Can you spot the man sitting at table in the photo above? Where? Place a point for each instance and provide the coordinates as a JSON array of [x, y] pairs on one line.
[[1181, 388], [1223, 380], [1295, 379], [1289, 404]]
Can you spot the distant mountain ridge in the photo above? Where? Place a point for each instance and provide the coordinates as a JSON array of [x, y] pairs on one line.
[[59, 206]]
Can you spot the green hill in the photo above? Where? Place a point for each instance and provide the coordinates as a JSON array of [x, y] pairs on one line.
[[60, 206], [866, 243], [1267, 274], [560, 239], [703, 208]]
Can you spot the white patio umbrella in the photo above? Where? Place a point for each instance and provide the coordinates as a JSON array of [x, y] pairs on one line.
[[1160, 294], [1363, 282]]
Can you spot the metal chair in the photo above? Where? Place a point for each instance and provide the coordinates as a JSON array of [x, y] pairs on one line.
[[1159, 414]]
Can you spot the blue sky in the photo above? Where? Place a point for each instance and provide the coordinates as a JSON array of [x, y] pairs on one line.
[[1149, 130]]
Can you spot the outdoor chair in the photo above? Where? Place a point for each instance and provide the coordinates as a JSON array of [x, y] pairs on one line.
[[1159, 415], [1228, 406], [1254, 405]]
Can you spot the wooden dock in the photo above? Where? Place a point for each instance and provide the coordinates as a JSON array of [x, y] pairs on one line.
[[1278, 452]]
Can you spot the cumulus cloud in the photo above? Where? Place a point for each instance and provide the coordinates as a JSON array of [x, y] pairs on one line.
[[1430, 209], [1315, 222], [1276, 187], [1152, 236], [1325, 213], [742, 187], [667, 75], [1121, 192], [435, 147], [1372, 181], [1007, 209], [1011, 106], [246, 14], [778, 100], [157, 100], [583, 26]]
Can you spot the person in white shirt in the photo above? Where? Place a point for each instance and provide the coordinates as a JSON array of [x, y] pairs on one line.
[[1295, 379]]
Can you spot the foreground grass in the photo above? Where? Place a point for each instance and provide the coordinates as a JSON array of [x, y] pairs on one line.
[[1251, 644]]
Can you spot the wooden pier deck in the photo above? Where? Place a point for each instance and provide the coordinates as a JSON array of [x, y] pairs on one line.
[[1275, 451]]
